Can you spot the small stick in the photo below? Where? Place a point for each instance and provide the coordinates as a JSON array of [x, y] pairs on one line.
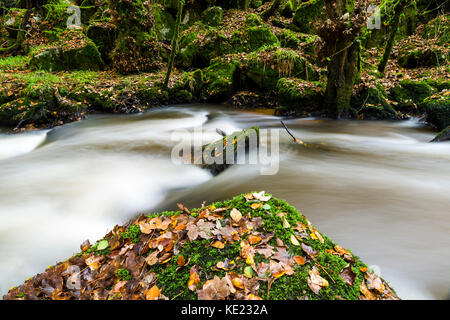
[[296, 140]]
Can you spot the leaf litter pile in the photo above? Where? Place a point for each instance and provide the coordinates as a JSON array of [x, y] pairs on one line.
[[251, 247]]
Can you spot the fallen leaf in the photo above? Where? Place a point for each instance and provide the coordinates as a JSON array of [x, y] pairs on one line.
[[286, 223], [153, 293], [348, 275], [218, 245], [294, 240], [315, 281], [236, 215], [152, 258], [255, 206], [254, 239], [216, 289], [93, 262], [194, 279], [366, 292], [374, 282], [180, 261], [299, 260], [261, 196], [309, 251]]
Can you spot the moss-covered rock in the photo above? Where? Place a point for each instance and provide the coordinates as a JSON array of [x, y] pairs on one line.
[[307, 14], [205, 253], [409, 93], [200, 44], [164, 22], [265, 68], [104, 35], [302, 96], [294, 40], [220, 80], [442, 136], [438, 28], [372, 104], [253, 20], [73, 51], [420, 57], [212, 16], [437, 108]]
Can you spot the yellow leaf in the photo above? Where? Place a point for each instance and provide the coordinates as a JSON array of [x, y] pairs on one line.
[[153, 293], [294, 240]]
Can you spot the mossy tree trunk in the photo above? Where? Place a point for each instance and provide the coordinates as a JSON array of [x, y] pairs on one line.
[[174, 43], [271, 10], [399, 7], [344, 21]]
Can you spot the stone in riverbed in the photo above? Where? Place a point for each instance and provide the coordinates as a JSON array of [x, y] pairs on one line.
[[442, 136], [437, 108]]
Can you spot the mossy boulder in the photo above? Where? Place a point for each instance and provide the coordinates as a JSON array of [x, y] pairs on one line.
[[212, 16], [220, 80], [16, 111], [442, 136], [294, 40], [253, 246], [164, 22], [73, 51], [302, 96], [264, 69], [371, 103], [200, 44], [103, 35], [418, 55], [307, 14], [409, 93], [437, 108], [253, 20]]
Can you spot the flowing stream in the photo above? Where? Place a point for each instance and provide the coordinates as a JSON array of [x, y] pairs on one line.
[[378, 188]]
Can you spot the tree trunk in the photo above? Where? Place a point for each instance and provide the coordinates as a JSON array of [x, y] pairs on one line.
[[174, 43], [271, 10], [341, 73], [393, 31]]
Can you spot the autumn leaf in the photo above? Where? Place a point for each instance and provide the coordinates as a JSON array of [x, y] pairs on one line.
[[216, 289], [299, 260], [309, 251], [255, 206], [153, 293], [152, 258], [235, 215], [294, 240], [315, 281], [180, 261], [261, 196], [194, 279], [93, 262], [252, 239], [374, 282], [366, 292], [285, 223], [218, 245], [348, 275]]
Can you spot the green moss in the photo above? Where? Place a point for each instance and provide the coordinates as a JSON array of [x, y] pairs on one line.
[[14, 63], [299, 94], [164, 22], [265, 68], [212, 16], [437, 108], [220, 80], [133, 232], [124, 274], [253, 20], [306, 15], [372, 104]]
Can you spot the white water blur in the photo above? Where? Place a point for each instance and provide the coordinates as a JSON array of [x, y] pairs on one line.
[[378, 188], [85, 178]]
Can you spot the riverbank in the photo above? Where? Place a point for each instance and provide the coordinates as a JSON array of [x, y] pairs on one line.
[[251, 247], [226, 55]]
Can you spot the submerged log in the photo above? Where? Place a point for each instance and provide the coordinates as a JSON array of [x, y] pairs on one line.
[[209, 253], [231, 149]]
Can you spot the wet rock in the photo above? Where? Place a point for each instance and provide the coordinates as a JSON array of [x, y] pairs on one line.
[[212, 16], [220, 81], [444, 135], [437, 108], [104, 36], [306, 14]]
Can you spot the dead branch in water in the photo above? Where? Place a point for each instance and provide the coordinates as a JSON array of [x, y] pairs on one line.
[[295, 140]]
